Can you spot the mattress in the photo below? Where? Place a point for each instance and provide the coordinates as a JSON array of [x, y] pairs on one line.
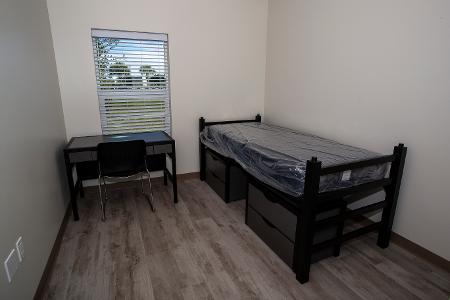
[[277, 156]]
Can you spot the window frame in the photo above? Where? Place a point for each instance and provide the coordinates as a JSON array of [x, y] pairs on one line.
[[102, 96]]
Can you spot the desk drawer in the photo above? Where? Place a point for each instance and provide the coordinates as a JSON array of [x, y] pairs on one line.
[[276, 214], [280, 244], [76, 157], [166, 148], [216, 165], [150, 150]]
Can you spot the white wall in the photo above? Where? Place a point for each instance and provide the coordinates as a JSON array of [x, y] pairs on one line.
[[32, 181], [368, 73], [217, 60], [371, 74]]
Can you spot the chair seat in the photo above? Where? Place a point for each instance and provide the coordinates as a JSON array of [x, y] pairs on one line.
[[126, 173]]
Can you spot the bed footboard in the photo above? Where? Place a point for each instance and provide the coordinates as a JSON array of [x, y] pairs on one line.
[[313, 199]]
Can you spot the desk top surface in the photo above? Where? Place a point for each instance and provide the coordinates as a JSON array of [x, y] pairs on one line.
[[88, 142]]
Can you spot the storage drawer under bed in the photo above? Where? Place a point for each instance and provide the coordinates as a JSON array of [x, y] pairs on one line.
[[229, 187], [214, 181], [276, 225], [216, 166], [280, 217], [278, 242]]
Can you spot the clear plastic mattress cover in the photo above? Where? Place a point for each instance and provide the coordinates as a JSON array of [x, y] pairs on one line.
[[277, 156]]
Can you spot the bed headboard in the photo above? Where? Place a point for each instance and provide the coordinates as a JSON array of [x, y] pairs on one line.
[[202, 122]]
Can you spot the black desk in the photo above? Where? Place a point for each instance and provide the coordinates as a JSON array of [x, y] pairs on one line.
[[80, 155]]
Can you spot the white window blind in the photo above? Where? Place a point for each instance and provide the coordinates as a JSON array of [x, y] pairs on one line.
[[132, 71]]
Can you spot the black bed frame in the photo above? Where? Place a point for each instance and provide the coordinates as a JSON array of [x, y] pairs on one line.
[[312, 202]]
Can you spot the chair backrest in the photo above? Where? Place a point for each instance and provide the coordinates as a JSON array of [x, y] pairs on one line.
[[118, 159]]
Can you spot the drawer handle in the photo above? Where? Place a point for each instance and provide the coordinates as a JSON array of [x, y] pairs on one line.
[[214, 174], [270, 199], [267, 222]]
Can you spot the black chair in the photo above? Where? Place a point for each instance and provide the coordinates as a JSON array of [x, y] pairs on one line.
[[122, 160]]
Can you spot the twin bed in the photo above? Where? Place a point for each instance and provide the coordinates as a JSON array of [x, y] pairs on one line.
[[298, 186]]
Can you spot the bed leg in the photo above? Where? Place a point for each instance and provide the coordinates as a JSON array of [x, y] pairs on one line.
[[305, 222], [340, 228], [304, 251], [202, 162], [392, 192], [202, 150], [227, 181], [258, 118]]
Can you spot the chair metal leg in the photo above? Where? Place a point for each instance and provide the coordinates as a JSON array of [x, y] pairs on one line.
[[102, 205], [150, 198], [105, 190]]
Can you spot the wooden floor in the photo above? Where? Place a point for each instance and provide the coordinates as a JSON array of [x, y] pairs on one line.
[[201, 249]]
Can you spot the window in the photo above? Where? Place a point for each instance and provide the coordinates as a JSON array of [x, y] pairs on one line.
[[132, 71]]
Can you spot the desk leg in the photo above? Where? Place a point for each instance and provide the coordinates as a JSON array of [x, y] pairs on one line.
[[174, 174], [165, 170], [73, 194]]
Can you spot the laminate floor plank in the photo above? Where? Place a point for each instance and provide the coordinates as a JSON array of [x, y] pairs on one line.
[[367, 287], [423, 289], [200, 248]]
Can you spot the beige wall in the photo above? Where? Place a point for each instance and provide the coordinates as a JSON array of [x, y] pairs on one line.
[[371, 74], [32, 197], [217, 59]]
